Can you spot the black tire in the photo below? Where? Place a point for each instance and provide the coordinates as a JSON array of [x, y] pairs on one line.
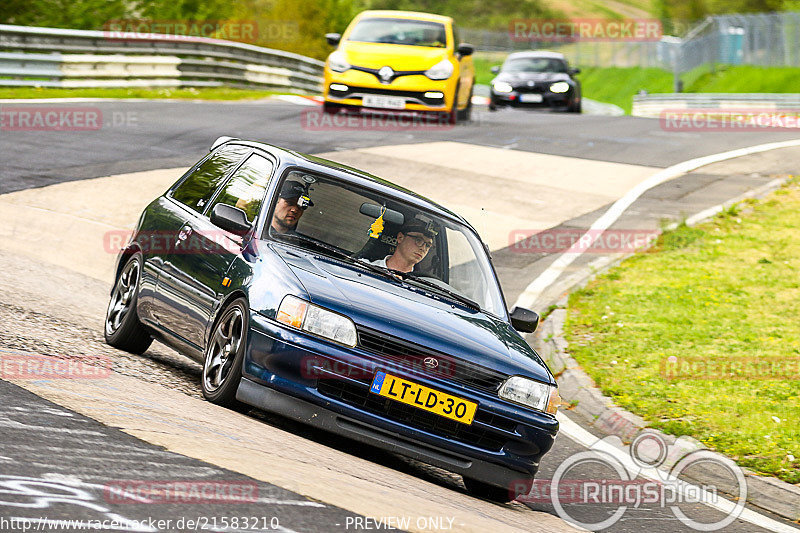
[[466, 113], [122, 328], [222, 365], [486, 491], [575, 108], [330, 108]]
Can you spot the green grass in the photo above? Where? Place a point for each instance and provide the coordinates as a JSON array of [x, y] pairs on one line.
[[728, 288], [202, 93]]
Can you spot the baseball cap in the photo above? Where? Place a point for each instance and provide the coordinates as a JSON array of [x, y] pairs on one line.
[[294, 189], [419, 226]]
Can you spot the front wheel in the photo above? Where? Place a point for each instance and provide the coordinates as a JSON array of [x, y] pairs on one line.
[[222, 368], [466, 114], [122, 327]]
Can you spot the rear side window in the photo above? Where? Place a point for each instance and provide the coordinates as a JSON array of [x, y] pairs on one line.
[[199, 187], [246, 188]]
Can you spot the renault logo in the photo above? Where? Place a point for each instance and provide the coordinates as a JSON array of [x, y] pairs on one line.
[[431, 362], [386, 74]]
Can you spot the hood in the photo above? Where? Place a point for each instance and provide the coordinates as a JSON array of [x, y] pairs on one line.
[[518, 77], [399, 57], [411, 314]]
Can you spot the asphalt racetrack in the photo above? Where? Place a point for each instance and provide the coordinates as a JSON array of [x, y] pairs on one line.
[[66, 441]]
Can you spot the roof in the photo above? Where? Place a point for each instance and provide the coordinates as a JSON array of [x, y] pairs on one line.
[[537, 53], [289, 157], [416, 15]]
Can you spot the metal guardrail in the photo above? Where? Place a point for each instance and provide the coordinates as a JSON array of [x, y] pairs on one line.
[[52, 57], [653, 105]]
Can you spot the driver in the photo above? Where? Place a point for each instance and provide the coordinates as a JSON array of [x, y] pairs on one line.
[[414, 240], [292, 202]]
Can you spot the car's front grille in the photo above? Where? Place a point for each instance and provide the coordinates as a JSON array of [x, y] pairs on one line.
[[398, 351], [358, 395]]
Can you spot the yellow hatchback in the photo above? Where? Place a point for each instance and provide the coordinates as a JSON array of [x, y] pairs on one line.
[[400, 60]]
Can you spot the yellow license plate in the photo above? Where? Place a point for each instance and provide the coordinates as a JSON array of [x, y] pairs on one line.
[[424, 398]]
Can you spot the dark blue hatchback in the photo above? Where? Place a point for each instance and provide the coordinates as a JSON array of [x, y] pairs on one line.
[[339, 299]]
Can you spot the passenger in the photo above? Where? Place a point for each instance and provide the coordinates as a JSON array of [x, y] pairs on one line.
[[414, 241]]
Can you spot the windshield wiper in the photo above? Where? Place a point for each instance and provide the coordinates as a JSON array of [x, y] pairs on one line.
[[336, 252], [452, 294]]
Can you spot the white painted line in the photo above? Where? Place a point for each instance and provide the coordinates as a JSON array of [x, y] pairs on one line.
[[535, 289], [582, 437], [299, 100]]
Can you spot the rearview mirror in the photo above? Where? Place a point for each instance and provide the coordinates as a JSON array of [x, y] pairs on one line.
[[333, 38], [230, 219], [524, 320], [389, 215], [573, 71], [465, 49], [495, 69]]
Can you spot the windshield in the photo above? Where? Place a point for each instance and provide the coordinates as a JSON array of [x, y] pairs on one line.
[[535, 64], [334, 218], [400, 31]]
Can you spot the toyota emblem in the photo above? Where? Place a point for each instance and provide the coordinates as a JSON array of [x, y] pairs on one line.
[[431, 362], [386, 74]]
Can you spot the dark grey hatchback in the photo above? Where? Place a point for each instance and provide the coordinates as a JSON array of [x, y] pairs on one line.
[[325, 294]]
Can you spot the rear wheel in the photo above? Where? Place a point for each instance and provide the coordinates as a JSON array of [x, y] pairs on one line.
[[222, 368], [122, 327]]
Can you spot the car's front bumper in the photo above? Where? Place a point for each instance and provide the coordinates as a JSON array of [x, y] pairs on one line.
[[504, 444], [411, 89], [548, 99]]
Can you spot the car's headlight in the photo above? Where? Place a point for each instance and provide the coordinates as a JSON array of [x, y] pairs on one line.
[[440, 71], [531, 393], [317, 320], [559, 87], [337, 62], [502, 87]]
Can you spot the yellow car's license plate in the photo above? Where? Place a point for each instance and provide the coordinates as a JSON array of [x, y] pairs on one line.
[[424, 398]]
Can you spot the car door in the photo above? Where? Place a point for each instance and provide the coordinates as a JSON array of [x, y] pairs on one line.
[[187, 200], [205, 251], [466, 71]]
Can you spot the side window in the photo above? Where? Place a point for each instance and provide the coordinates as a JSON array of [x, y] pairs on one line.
[[246, 188], [456, 40], [199, 187]]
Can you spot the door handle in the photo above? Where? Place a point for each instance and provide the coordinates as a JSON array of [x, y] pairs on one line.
[[183, 234]]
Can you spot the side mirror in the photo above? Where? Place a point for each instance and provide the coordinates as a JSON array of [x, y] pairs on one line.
[[524, 320], [465, 49], [573, 71], [495, 70], [230, 219], [333, 38]]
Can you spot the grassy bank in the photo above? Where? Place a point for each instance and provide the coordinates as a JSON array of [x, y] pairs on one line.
[[202, 93], [725, 293]]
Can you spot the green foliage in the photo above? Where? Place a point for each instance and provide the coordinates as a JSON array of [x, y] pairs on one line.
[[484, 14]]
